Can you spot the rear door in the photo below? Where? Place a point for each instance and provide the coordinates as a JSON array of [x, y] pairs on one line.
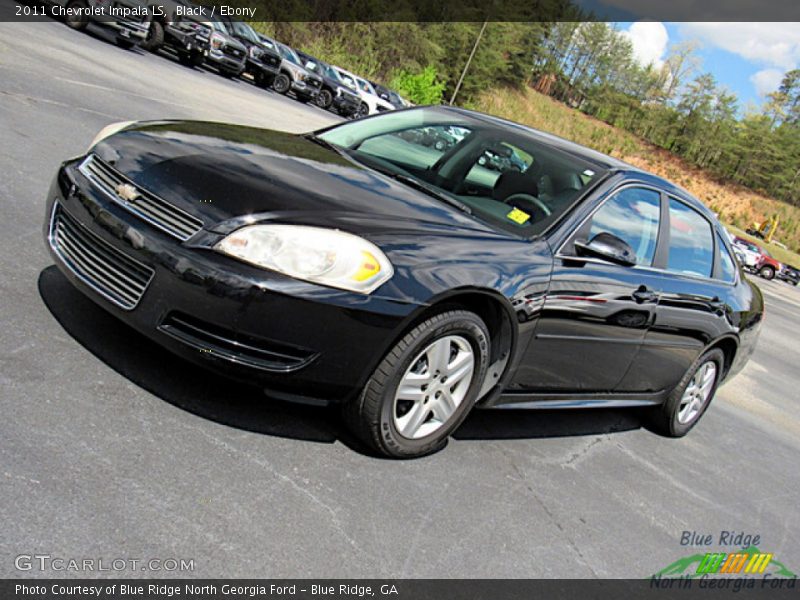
[[695, 288]]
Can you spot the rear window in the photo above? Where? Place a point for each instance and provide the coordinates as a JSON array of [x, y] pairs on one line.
[[691, 241]]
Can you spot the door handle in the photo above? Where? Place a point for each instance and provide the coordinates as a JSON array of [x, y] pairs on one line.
[[643, 295]]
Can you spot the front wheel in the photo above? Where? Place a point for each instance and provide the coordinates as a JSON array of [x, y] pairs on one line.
[[281, 83], [190, 59], [691, 397], [155, 37], [424, 387], [767, 272], [76, 16], [363, 110], [324, 99]]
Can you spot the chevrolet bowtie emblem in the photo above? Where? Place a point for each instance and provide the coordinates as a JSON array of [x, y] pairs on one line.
[[127, 192]]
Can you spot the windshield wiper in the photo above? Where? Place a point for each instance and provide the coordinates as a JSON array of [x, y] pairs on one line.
[[421, 186]]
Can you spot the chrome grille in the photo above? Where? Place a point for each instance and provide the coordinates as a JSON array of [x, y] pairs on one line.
[[232, 51], [149, 207], [102, 267]]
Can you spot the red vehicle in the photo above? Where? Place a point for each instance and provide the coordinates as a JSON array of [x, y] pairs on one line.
[[766, 266]]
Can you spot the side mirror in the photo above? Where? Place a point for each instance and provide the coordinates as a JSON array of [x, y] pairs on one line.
[[606, 246]]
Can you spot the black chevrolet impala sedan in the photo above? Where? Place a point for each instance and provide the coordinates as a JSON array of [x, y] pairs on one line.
[[360, 266]]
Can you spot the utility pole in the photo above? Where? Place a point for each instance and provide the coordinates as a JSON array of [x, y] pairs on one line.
[[469, 60]]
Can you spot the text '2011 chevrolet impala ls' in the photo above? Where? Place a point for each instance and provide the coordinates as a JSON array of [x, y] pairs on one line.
[[362, 265]]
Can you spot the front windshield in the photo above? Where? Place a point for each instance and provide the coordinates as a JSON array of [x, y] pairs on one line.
[[244, 30], [346, 79], [504, 175], [366, 87], [219, 26], [289, 54]]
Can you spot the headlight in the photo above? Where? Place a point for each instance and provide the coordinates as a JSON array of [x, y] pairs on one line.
[[255, 53], [108, 131], [325, 256], [217, 41]]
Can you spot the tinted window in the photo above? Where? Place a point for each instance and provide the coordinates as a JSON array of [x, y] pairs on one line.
[[691, 242], [726, 262], [632, 215]]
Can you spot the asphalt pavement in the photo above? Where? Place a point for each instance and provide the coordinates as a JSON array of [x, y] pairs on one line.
[[112, 448]]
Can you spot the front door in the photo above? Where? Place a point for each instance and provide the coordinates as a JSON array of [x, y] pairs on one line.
[[597, 313]]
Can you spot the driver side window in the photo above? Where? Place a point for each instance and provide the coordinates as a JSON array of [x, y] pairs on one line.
[[632, 215]]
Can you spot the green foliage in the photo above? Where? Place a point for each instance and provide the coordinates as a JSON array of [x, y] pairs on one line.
[[419, 88], [583, 64]]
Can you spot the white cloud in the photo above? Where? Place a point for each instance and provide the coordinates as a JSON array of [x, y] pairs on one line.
[[774, 45], [766, 81], [649, 39]]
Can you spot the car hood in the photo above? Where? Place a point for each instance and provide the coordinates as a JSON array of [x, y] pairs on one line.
[[230, 174]]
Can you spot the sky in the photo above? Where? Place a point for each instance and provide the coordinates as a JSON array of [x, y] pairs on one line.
[[747, 58]]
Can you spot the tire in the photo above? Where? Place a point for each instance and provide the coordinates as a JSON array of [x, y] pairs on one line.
[[767, 272], [262, 80], [406, 428], [281, 83], [125, 44], [363, 110], [670, 419], [190, 59], [155, 37], [324, 99], [76, 22]]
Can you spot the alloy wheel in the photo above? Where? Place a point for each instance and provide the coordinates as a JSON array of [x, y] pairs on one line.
[[698, 392], [433, 387]]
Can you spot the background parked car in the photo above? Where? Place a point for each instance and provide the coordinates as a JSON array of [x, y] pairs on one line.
[[789, 274], [225, 52], [129, 30], [390, 96], [750, 252], [186, 37], [767, 267], [333, 93], [263, 60], [371, 103], [293, 76]]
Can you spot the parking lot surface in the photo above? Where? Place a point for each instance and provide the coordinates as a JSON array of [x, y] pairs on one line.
[[110, 447]]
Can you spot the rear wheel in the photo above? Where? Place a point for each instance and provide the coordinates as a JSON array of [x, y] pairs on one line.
[[324, 99], [767, 272], [691, 397], [155, 37], [424, 387], [281, 84], [76, 19]]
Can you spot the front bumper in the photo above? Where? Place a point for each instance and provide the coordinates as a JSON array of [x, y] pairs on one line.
[[333, 339], [346, 105], [129, 30], [301, 88], [223, 61]]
